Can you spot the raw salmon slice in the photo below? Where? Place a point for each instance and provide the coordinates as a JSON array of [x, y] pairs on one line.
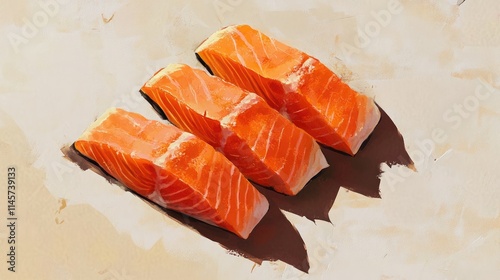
[[266, 147], [174, 169], [294, 83]]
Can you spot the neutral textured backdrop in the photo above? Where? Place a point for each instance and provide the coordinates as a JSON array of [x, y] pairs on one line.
[[62, 67]]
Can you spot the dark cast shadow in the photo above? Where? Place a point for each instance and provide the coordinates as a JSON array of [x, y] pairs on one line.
[[274, 238], [359, 173]]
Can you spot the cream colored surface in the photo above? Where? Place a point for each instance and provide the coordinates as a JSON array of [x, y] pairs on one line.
[[442, 222]]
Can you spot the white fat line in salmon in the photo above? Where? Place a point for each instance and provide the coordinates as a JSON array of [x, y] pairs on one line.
[[155, 196], [212, 39], [162, 73], [203, 85], [185, 136], [97, 123], [228, 120], [294, 80], [241, 107], [249, 46]]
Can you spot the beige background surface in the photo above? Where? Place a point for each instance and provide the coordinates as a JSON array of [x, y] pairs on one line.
[[442, 222]]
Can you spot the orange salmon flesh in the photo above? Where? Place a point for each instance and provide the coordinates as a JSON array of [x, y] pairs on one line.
[[266, 147], [294, 83], [174, 169]]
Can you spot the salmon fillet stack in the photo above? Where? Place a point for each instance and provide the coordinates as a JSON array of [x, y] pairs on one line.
[[174, 169], [294, 83], [266, 147]]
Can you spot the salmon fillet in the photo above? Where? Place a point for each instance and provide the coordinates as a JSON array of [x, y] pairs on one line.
[[266, 147], [294, 83], [174, 169]]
